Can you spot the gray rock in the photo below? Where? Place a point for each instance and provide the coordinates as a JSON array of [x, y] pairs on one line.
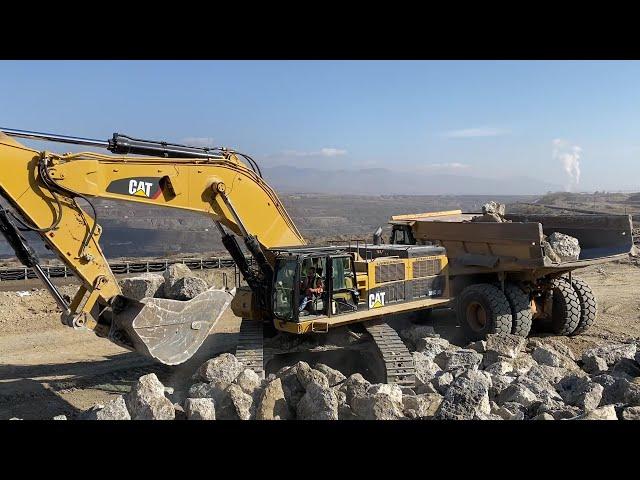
[[307, 376], [272, 404], [318, 403], [426, 368], [186, 288], [142, 286], [222, 369], [509, 411], [480, 346], [466, 398], [380, 402], [432, 346], [235, 404], [631, 413], [517, 393], [608, 412], [494, 208], [115, 409], [146, 400], [344, 409], [173, 273], [498, 384], [558, 410], [508, 346], [450, 360], [537, 382], [200, 409], [412, 334], [60, 417], [426, 388], [595, 365], [522, 364], [442, 381], [423, 406], [546, 355], [333, 376], [611, 354], [499, 368], [565, 246], [354, 386], [580, 392], [626, 368], [543, 416], [202, 390], [249, 381]]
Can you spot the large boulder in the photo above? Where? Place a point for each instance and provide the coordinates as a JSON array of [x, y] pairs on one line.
[[594, 359], [580, 392], [517, 393], [608, 412], [333, 376], [426, 369], [499, 368], [631, 413], [175, 272], [507, 346], [318, 403], [626, 368], [235, 404], [566, 247], [411, 335], [463, 358], [547, 355], [423, 406], [499, 384], [307, 375], [467, 398], [272, 404], [222, 369], [354, 386], [200, 409], [442, 381], [432, 346], [380, 402], [249, 381], [142, 286], [115, 409], [146, 400], [186, 288]]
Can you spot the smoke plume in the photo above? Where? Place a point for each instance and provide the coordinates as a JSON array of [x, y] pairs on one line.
[[569, 157]]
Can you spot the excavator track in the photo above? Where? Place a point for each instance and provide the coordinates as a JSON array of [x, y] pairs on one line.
[[250, 348], [397, 359]]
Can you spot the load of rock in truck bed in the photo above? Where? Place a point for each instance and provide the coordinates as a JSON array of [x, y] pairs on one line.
[[558, 247], [506, 377]]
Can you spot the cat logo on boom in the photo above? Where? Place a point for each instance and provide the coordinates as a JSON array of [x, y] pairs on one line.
[[376, 300], [140, 188]]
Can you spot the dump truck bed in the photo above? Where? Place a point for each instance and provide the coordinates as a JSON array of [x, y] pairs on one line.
[[479, 247]]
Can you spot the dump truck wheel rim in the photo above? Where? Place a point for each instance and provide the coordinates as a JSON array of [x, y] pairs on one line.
[[476, 316]]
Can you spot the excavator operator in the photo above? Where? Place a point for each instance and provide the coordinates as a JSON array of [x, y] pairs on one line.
[[310, 287]]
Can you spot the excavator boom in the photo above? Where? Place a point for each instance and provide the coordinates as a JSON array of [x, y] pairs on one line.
[[43, 188]]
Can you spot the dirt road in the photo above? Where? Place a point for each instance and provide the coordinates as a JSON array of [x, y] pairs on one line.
[[47, 369]]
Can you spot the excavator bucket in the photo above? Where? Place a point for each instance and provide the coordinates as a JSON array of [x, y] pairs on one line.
[[169, 331]]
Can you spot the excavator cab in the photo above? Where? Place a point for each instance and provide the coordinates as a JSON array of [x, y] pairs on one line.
[[329, 273]]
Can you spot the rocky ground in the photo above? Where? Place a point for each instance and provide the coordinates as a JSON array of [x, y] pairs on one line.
[[593, 375]]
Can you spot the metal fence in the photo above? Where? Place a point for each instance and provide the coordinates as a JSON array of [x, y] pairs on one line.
[[61, 271]]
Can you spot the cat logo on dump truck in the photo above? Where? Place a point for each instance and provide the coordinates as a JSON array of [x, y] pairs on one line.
[[376, 300], [146, 187]]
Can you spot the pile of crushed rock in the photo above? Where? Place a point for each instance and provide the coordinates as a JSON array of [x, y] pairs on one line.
[[506, 377]]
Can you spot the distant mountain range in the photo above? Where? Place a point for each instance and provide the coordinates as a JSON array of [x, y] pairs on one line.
[[382, 181]]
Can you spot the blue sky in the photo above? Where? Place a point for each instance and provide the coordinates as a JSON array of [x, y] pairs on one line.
[[479, 118]]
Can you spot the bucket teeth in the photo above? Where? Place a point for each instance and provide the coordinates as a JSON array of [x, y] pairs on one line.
[[169, 331]]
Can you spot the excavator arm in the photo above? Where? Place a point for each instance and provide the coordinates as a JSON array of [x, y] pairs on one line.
[[43, 188]]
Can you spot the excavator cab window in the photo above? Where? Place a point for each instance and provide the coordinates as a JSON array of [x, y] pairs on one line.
[[284, 290]]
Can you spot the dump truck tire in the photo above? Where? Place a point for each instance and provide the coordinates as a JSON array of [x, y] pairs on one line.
[[521, 313], [482, 309], [588, 305], [565, 314]]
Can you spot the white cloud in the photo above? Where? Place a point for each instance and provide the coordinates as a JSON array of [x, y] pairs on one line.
[[323, 152], [569, 157], [476, 132], [199, 141]]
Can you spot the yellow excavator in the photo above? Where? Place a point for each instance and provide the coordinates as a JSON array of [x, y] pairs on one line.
[[351, 283]]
